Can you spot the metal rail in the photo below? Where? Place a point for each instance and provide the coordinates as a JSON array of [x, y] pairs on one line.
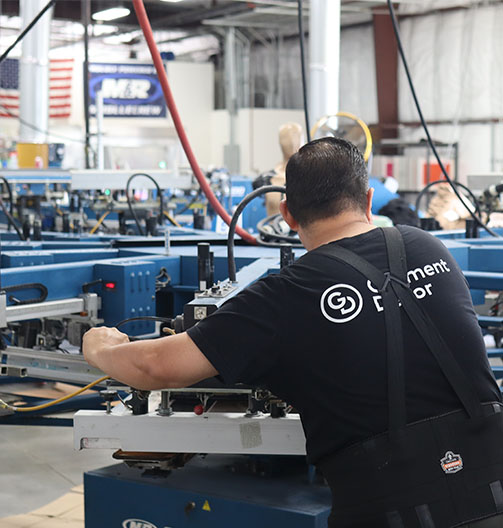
[[50, 365]]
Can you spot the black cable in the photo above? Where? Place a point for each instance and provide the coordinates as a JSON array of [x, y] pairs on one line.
[[11, 220], [237, 213], [11, 199], [166, 320], [423, 121], [303, 67], [262, 242], [131, 210], [190, 204], [464, 187], [26, 30], [88, 285], [276, 223], [28, 286], [275, 235]]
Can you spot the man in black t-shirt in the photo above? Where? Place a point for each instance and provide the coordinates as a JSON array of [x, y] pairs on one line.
[[314, 334]]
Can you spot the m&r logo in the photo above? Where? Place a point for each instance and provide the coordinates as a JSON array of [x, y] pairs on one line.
[[138, 523]]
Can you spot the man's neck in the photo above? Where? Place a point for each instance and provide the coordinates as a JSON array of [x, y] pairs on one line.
[[343, 225]]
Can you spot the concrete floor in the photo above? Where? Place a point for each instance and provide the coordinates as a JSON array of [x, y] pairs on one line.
[[39, 464]]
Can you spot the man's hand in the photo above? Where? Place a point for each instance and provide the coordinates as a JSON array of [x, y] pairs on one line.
[[98, 339]]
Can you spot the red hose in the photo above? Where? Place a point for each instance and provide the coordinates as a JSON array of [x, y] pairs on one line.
[[170, 101]]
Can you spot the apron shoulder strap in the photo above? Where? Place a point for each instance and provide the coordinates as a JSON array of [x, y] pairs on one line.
[[428, 330], [394, 286], [397, 416]]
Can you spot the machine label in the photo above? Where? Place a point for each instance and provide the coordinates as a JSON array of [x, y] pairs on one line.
[[206, 506], [138, 523]]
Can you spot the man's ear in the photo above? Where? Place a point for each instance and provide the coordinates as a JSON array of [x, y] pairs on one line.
[[287, 216], [368, 212]]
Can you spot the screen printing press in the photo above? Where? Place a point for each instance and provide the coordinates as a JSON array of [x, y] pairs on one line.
[[206, 456]]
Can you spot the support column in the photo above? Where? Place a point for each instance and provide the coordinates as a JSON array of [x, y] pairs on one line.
[[231, 151], [34, 73], [324, 48], [85, 8], [386, 59]]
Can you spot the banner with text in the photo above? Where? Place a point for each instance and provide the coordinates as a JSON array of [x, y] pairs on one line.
[[129, 90]]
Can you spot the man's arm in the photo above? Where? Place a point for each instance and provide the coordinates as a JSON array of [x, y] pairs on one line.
[[168, 362]]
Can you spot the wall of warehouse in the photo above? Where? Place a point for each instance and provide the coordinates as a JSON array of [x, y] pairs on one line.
[[358, 89], [455, 59], [457, 66], [277, 80], [256, 135], [141, 139], [456, 62], [192, 85]]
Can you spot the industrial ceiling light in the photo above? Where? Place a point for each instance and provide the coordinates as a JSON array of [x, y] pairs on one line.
[[111, 13], [172, 1]]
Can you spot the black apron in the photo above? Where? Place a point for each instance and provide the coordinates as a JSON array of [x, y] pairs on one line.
[[440, 472]]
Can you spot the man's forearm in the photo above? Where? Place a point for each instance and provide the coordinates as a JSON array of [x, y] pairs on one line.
[[168, 362], [133, 363]]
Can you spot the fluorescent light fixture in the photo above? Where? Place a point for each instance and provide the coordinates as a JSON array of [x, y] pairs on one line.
[[172, 1], [103, 29], [111, 14]]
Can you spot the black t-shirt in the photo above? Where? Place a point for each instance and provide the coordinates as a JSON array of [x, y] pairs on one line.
[[314, 335]]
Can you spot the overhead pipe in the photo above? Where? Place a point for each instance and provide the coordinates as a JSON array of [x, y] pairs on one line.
[[170, 101]]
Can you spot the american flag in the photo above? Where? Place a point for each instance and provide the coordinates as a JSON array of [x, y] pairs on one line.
[[60, 88]]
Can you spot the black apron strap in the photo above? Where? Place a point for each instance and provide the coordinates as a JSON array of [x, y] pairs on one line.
[[397, 418], [359, 264], [397, 415], [426, 327], [397, 259], [396, 279]]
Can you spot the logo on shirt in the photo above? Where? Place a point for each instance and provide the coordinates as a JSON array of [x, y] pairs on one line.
[[451, 463], [341, 303]]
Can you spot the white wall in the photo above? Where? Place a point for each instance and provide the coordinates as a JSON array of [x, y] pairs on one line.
[[357, 93], [358, 88], [457, 68], [257, 135], [456, 63], [208, 130], [193, 88]]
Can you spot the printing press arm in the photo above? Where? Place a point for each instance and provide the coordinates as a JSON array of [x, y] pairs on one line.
[[169, 362]]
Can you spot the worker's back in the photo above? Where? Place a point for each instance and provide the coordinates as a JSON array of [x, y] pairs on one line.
[[315, 335]]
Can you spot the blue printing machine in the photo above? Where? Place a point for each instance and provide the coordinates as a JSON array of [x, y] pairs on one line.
[[205, 493], [240, 186], [64, 263], [132, 271]]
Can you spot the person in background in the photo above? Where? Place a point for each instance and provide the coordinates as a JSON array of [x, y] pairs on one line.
[[291, 138]]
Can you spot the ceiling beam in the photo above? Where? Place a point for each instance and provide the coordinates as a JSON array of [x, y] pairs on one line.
[[196, 16]]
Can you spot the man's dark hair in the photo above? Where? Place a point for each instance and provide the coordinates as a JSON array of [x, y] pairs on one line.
[[324, 178]]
